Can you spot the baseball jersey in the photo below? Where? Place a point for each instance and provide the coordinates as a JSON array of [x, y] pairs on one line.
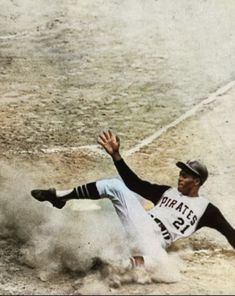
[[178, 215]]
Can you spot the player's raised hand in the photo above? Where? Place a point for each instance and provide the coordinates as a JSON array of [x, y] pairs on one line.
[[111, 143]]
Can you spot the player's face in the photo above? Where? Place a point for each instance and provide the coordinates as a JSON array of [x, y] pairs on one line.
[[187, 183]]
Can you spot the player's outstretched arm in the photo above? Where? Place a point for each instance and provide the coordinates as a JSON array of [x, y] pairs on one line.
[[111, 143]]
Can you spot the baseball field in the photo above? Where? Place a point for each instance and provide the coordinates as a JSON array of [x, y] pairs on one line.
[[161, 75]]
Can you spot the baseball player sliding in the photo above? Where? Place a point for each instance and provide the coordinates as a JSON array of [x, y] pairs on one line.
[[177, 212]]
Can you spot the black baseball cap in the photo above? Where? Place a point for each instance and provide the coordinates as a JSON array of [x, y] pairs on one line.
[[194, 167]]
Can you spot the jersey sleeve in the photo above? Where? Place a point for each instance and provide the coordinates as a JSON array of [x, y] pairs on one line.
[[213, 218], [152, 192]]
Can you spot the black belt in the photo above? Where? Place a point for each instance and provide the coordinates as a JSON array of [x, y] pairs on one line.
[[164, 231]]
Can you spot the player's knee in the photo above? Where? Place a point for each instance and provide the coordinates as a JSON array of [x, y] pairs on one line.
[[113, 188], [116, 185]]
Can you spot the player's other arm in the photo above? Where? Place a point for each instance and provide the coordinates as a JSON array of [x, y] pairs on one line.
[[111, 144], [213, 218]]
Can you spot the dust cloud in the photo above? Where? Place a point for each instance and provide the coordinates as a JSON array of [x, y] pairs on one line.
[[90, 243]]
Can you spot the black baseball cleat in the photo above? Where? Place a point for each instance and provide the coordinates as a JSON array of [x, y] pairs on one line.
[[48, 195]]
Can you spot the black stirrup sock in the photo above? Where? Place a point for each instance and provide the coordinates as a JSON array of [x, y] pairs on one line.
[[86, 191]]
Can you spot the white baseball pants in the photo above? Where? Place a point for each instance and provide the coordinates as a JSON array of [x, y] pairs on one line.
[[143, 232]]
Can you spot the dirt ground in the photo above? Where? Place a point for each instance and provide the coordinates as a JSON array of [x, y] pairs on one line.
[[207, 260], [68, 72]]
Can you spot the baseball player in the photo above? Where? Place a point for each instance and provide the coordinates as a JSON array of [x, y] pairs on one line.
[[177, 212]]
